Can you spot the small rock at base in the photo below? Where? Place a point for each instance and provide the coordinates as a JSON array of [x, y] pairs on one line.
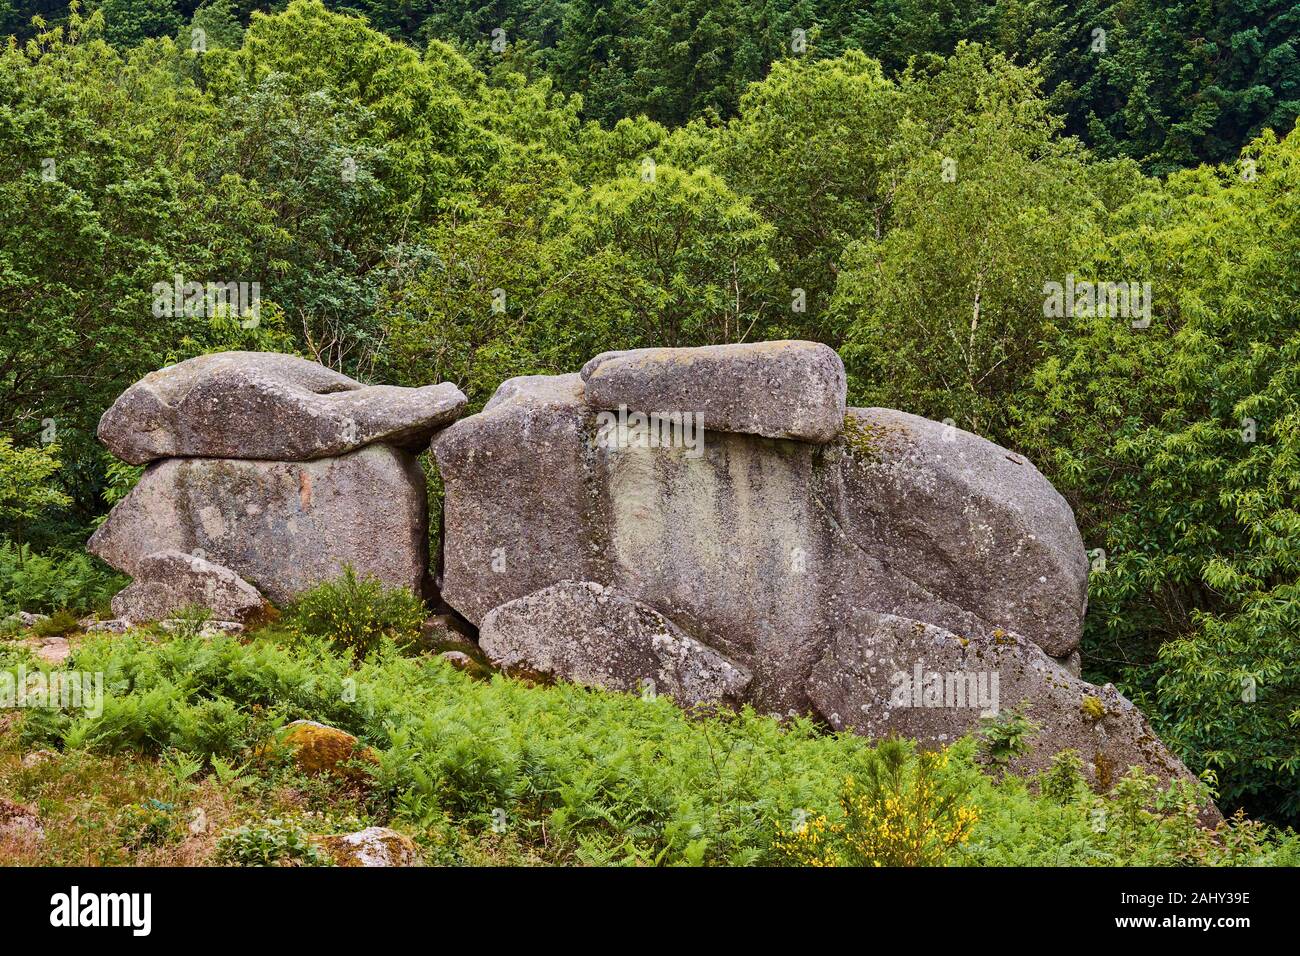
[[319, 748], [373, 846]]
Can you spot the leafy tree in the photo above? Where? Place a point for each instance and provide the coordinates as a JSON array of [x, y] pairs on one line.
[[214, 24], [944, 312], [809, 150], [25, 489], [127, 22], [666, 257], [1180, 446]]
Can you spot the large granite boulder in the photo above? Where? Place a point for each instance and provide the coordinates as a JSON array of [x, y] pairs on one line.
[[167, 582], [516, 495], [774, 389], [594, 636], [892, 676], [281, 526], [268, 406], [974, 526], [761, 548]]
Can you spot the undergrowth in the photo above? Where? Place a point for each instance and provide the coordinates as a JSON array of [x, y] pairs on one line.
[[499, 772], [56, 581]]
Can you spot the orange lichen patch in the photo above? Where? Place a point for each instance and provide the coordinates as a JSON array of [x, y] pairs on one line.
[[304, 489], [321, 749]]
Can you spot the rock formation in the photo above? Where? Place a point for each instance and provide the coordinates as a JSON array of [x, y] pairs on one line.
[[267, 475], [712, 524], [760, 548], [268, 407], [593, 635], [809, 553], [774, 389], [891, 676], [373, 846], [169, 581]]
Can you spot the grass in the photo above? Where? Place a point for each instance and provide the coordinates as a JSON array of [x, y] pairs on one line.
[[495, 772]]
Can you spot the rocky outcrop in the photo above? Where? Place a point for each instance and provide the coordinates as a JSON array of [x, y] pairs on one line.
[[280, 526], [170, 581], [709, 524], [267, 406], [760, 548], [891, 676], [774, 389], [592, 635], [818, 561], [269, 474]]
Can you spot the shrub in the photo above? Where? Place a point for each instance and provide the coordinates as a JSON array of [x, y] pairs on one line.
[[904, 812], [1006, 737], [147, 824], [56, 625], [1064, 779], [357, 613]]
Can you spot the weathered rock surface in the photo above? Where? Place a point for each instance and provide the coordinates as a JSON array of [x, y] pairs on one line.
[[594, 636], [891, 676], [319, 748], [166, 582], [267, 406], [373, 846], [517, 495], [763, 549], [776, 389], [54, 651], [973, 525], [281, 526]]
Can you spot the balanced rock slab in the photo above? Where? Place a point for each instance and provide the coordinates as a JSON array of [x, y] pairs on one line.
[[761, 548], [281, 526], [891, 676], [168, 581], [268, 406], [592, 635], [784, 389]]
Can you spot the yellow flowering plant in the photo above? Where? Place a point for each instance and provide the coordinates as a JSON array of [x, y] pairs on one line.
[[901, 810]]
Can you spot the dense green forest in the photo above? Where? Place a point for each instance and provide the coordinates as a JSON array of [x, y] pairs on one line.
[[421, 200], [1169, 84]]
